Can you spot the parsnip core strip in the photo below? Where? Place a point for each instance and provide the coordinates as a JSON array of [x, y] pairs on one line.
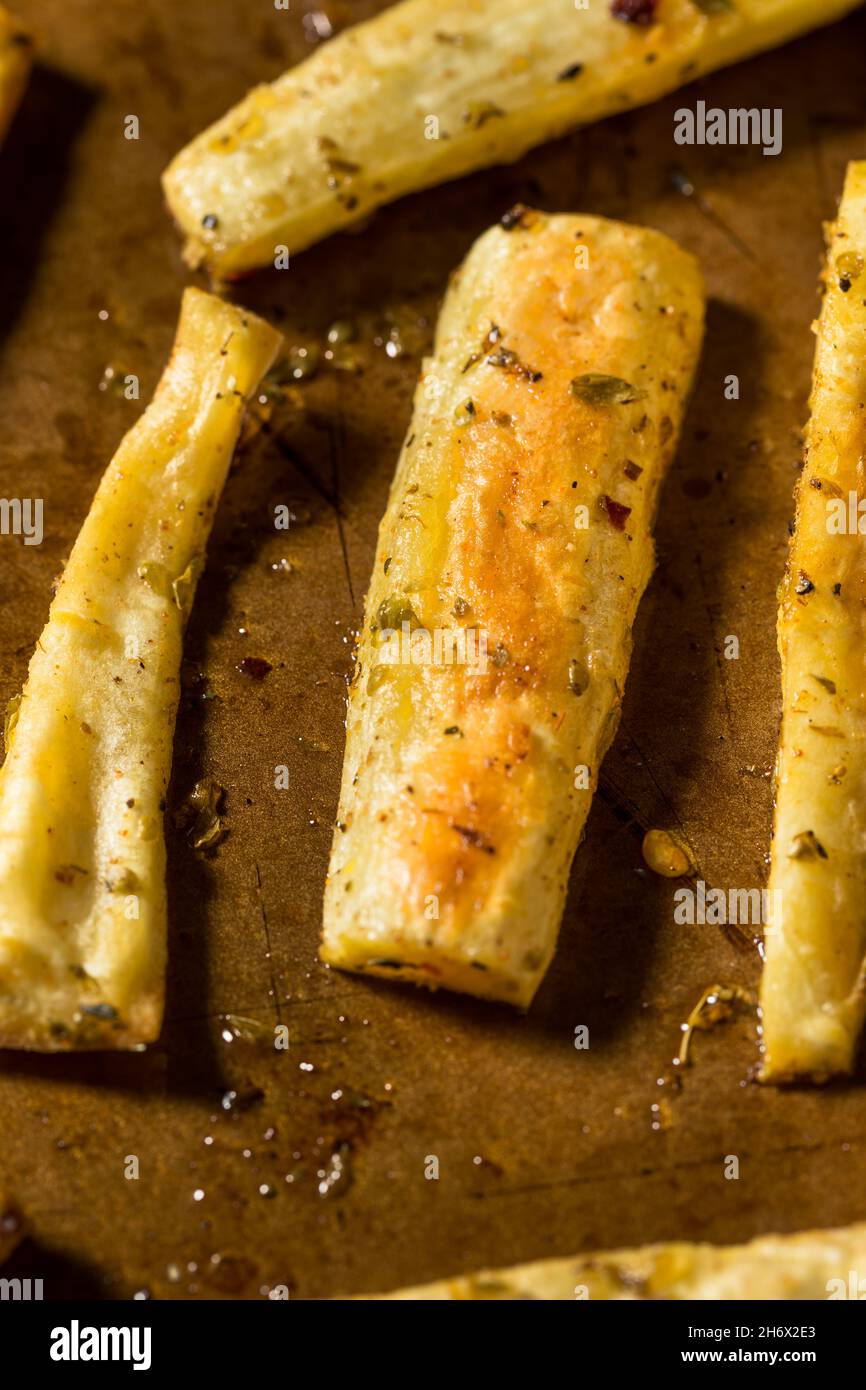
[[813, 994], [82, 854], [808, 1265], [517, 537], [432, 89]]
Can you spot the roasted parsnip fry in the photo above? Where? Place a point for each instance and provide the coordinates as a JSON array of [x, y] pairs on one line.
[[88, 748], [431, 89], [16, 57], [810, 1265], [510, 563], [813, 994]]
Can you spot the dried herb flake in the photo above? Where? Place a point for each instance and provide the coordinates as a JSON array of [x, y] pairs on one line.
[[597, 388]]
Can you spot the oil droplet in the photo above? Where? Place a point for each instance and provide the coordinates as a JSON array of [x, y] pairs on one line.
[[245, 1029], [667, 854], [662, 1115], [342, 331], [716, 1005], [337, 1174]]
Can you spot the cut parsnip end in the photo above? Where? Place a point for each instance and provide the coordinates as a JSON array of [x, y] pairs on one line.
[[88, 747], [510, 563], [813, 993]]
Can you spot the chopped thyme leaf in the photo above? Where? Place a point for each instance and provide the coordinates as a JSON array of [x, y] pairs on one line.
[[106, 1011], [596, 388], [826, 682], [806, 845], [518, 216]]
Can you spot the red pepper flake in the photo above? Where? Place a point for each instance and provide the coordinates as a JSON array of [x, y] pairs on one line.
[[634, 11], [255, 667], [616, 511]]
